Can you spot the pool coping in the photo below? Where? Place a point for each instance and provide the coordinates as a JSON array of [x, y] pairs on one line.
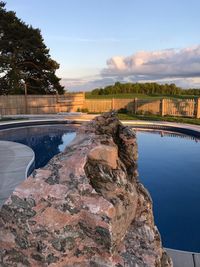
[[188, 129], [19, 161]]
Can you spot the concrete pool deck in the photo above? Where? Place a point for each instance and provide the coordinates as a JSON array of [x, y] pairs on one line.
[[184, 258], [16, 158], [15, 161]]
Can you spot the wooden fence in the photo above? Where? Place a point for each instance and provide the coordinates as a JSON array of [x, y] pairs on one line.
[[171, 107], [40, 104], [49, 104]]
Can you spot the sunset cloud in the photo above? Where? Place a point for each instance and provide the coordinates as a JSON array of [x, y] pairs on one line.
[[179, 66], [170, 63]]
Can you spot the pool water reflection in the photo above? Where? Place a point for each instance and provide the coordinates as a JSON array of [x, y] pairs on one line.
[[169, 166], [46, 141]]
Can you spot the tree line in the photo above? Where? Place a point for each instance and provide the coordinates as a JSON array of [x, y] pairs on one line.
[[145, 88], [25, 62]]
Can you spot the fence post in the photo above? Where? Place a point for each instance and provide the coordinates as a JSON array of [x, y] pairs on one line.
[[162, 107], [84, 96], [25, 98], [198, 108], [135, 105], [113, 104], [57, 96]]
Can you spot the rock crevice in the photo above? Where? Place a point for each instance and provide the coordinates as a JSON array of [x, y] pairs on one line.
[[86, 207]]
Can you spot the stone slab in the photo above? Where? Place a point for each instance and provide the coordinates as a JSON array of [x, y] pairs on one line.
[[181, 258], [197, 259], [15, 160]]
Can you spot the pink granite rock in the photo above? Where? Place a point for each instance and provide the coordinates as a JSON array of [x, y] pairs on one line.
[[85, 208]]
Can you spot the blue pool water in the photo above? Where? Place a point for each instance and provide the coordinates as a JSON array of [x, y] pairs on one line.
[[46, 141], [169, 166]]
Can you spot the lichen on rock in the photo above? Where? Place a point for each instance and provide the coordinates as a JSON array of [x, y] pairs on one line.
[[86, 207]]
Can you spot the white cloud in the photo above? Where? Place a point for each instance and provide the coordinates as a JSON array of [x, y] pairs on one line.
[[169, 63], [179, 66]]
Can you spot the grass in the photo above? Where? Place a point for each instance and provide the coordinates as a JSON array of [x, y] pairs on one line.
[[123, 116], [88, 95], [117, 96]]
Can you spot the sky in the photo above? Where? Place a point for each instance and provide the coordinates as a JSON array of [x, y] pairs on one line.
[[99, 42]]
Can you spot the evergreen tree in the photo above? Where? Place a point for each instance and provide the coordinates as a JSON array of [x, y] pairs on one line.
[[24, 58]]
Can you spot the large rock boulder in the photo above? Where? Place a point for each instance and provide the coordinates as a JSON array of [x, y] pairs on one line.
[[85, 208]]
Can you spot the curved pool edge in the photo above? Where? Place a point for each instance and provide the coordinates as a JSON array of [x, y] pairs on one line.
[[16, 124], [15, 166], [188, 129], [31, 165]]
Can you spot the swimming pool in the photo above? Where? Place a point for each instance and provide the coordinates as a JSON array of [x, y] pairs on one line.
[[46, 140], [169, 166]]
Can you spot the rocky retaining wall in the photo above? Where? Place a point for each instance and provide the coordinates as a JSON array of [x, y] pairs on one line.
[[85, 208]]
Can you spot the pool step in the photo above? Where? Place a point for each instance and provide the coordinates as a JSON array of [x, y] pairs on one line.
[[184, 258]]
